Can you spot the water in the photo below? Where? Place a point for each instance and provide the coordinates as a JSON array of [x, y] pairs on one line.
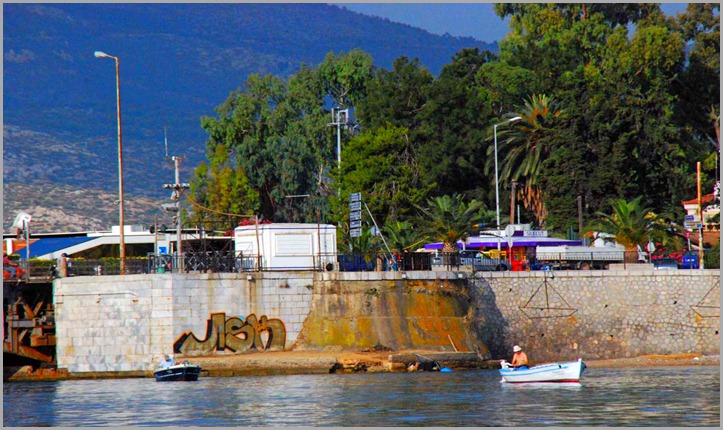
[[672, 396]]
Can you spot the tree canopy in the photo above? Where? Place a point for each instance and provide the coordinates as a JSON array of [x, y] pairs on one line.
[[617, 103]]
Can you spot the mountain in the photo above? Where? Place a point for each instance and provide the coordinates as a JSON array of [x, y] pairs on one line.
[[177, 63]]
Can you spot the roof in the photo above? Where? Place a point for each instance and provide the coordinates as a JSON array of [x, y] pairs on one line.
[[285, 226], [49, 245], [708, 198], [490, 242]]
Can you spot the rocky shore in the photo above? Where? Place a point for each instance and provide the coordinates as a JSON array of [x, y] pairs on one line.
[[325, 362]]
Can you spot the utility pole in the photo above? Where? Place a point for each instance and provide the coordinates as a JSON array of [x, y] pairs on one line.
[[700, 221], [178, 189], [579, 217]]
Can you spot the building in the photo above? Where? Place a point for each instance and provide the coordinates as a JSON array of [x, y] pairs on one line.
[[710, 205]]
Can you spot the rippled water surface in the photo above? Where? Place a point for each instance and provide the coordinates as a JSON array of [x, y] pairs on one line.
[[670, 396]]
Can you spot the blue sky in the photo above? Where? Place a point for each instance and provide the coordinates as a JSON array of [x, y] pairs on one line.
[[458, 19]]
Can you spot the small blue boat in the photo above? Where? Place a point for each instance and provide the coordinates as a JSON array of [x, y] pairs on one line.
[[178, 372]]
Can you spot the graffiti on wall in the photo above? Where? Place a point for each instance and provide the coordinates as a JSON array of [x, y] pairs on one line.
[[234, 334]]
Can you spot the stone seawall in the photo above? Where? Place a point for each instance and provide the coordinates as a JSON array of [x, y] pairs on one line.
[[126, 324], [598, 314]]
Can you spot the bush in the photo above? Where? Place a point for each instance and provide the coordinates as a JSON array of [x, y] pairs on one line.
[[712, 257]]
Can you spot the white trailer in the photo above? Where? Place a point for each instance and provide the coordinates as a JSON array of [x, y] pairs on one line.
[[579, 257], [286, 246]]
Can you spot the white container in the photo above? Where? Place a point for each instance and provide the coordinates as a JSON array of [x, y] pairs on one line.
[[287, 246]]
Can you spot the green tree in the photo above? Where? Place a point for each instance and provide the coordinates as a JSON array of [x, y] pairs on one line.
[[619, 89], [276, 136], [451, 136], [395, 96], [219, 192], [382, 166], [401, 236], [448, 219], [698, 87], [522, 148], [631, 225], [344, 76]]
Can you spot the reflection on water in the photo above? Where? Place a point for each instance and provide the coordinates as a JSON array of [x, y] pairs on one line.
[[605, 397]]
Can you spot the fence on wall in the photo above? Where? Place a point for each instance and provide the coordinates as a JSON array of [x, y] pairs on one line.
[[231, 262]]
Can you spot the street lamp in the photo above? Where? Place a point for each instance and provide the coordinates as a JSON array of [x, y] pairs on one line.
[[99, 54], [497, 181]]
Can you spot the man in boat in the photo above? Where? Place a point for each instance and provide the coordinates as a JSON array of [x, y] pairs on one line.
[[519, 359], [168, 362]]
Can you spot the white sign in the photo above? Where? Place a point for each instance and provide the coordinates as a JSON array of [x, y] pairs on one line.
[[534, 233], [355, 216], [355, 197], [355, 232]]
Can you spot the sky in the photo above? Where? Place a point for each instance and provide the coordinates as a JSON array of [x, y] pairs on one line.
[[475, 20]]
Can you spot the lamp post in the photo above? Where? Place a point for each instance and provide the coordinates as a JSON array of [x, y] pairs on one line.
[[497, 181], [99, 54]]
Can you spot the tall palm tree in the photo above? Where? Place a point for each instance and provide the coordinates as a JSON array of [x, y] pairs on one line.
[[631, 225], [522, 147], [449, 219]]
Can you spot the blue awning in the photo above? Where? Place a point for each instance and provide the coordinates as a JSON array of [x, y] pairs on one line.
[[52, 244]]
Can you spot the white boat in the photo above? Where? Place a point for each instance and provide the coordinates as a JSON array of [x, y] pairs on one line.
[[553, 372]]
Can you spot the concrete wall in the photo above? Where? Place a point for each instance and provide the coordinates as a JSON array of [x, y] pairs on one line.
[[599, 314], [127, 323]]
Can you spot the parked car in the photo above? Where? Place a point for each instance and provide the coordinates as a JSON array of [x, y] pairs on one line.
[[482, 262], [665, 263], [690, 260], [491, 264]]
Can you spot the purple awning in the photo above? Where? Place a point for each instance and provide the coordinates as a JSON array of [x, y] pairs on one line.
[[491, 242]]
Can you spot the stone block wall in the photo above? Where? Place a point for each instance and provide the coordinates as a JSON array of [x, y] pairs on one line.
[[599, 314], [127, 323]]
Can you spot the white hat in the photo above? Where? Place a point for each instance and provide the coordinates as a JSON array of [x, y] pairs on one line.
[[516, 348]]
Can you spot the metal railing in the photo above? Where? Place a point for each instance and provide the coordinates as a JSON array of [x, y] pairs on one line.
[[204, 262], [230, 262], [600, 260]]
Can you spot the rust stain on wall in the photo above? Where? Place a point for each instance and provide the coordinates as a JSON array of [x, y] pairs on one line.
[[408, 315]]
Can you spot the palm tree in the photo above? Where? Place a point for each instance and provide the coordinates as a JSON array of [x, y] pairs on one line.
[[631, 225], [448, 219], [401, 235], [523, 146]]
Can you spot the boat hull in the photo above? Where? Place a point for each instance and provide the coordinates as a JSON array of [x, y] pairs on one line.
[[553, 372], [178, 372]]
